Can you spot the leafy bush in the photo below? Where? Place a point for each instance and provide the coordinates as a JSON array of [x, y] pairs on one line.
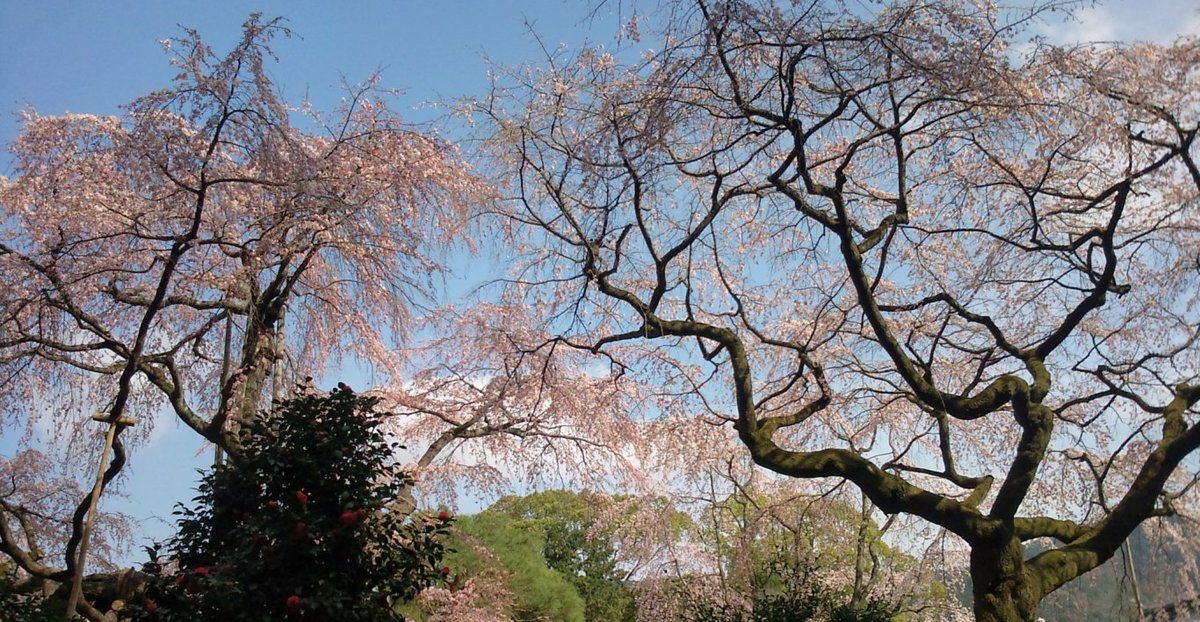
[[793, 593], [18, 606], [299, 528]]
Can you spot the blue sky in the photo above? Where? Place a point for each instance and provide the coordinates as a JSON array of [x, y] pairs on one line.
[[58, 56], [94, 56], [78, 56]]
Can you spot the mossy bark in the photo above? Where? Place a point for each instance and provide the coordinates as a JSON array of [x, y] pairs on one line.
[[1003, 588]]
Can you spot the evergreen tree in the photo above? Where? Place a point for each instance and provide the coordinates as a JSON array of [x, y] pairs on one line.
[[571, 546]]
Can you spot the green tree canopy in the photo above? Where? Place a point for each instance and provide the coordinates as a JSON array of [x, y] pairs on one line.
[[492, 543], [574, 545]]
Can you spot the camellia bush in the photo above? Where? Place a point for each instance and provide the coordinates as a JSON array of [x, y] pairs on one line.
[[21, 605], [300, 527]]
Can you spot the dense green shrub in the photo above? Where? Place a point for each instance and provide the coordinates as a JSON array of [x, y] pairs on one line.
[[17, 606], [300, 527]]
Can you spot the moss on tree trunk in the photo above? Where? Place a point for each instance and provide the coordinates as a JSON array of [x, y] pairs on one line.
[[1003, 588]]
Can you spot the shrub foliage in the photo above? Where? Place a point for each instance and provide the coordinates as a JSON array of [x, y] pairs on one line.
[[302, 527]]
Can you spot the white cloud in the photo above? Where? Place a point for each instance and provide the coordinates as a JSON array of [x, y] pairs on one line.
[[1192, 26], [1161, 21], [1095, 24]]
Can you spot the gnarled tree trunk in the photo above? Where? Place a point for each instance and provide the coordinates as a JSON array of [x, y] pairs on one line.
[[1003, 588]]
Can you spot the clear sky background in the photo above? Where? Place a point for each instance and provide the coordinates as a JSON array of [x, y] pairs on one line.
[[93, 56]]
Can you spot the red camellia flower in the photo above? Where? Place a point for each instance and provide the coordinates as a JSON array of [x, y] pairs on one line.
[[272, 504], [349, 517], [150, 607], [293, 603], [445, 570], [201, 571], [443, 515], [301, 498], [361, 514]]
